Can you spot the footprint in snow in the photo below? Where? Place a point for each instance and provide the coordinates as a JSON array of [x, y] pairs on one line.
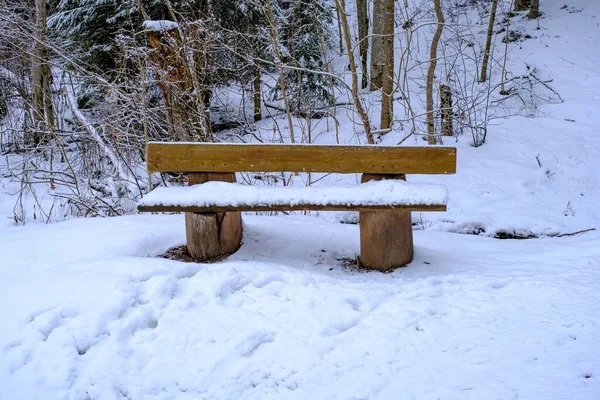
[[232, 285], [47, 321], [254, 341], [263, 281], [340, 327]]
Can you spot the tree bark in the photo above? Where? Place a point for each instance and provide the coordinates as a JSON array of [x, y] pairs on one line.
[[431, 139], [177, 87], [191, 57], [522, 5], [212, 235], [488, 42], [256, 93], [41, 75], [386, 238], [446, 110], [388, 66], [381, 20], [534, 9], [362, 13]]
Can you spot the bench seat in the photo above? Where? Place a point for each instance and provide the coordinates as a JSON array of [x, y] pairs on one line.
[[217, 196]]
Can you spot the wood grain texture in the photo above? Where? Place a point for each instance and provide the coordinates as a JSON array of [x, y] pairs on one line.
[[286, 207], [208, 157], [213, 234], [386, 237]]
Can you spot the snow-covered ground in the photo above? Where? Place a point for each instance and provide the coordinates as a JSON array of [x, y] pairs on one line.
[[88, 312]]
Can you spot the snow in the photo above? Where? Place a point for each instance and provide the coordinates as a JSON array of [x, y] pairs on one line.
[[160, 25], [92, 313], [374, 193], [87, 310], [287, 144]]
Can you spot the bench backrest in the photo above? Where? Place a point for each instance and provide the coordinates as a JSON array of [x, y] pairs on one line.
[[218, 157]]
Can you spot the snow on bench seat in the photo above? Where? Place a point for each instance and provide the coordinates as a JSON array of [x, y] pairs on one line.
[[217, 196]]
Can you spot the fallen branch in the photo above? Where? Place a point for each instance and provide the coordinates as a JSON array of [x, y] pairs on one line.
[[574, 233], [314, 114]]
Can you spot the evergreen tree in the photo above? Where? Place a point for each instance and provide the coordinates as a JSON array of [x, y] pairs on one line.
[[306, 36], [89, 31], [88, 28]]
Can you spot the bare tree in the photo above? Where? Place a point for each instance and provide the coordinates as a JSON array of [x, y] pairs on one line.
[[431, 139], [383, 23], [388, 66], [362, 13], [256, 92], [488, 42], [43, 114], [279, 63], [446, 113], [341, 9]]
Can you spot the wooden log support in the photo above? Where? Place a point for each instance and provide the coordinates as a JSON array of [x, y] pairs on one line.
[[212, 234], [386, 239]]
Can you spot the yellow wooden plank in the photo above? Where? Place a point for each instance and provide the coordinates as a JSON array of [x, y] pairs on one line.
[[286, 207], [210, 157]]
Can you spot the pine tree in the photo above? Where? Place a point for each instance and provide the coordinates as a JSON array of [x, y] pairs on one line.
[[306, 35], [89, 28]]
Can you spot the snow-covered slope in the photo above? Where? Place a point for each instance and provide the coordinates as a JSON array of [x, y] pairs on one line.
[[88, 312]]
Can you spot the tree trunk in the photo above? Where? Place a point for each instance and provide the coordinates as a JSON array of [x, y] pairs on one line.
[[212, 235], [256, 94], [46, 82], [522, 5], [37, 88], [190, 60], [43, 114], [378, 42], [446, 110], [341, 9], [488, 42], [177, 87], [388, 66], [534, 9], [340, 35], [386, 238], [202, 75], [362, 13], [431, 71]]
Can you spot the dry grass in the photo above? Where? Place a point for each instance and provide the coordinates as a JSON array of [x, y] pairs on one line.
[[181, 253]]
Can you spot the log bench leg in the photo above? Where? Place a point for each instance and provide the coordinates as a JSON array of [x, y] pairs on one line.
[[386, 237], [211, 235]]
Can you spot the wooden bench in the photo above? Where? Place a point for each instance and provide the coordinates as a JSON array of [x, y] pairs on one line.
[[213, 202]]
